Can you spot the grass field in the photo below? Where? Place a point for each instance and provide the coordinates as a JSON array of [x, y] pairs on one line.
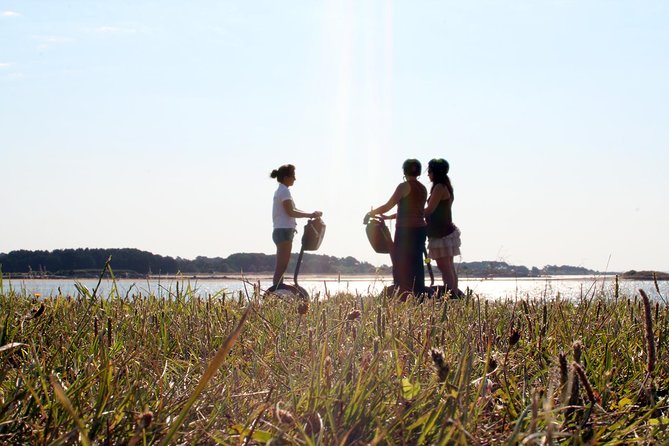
[[242, 369]]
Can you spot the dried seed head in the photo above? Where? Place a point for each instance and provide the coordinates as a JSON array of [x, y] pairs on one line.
[[38, 312], [564, 369], [440, 364], [492, 364], [328, 370], [303, 307], [324, 320], [313, 424], [355, 314], [578, 349], [366, 360], [284, 416], [437, 357], [586, 383], [514, 337], [145, 419], [650, 337]]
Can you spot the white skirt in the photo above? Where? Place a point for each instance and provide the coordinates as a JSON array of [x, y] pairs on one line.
[[448, 246]]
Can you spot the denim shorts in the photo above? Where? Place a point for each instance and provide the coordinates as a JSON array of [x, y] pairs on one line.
[[281, 235]]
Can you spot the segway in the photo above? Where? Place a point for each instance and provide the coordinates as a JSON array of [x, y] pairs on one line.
[[379, 237], [314, 231], [378, 234]]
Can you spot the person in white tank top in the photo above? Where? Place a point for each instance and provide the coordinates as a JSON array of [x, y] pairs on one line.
[[284, 215]]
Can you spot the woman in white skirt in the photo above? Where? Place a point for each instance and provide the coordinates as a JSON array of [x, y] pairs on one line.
[[443, 235]]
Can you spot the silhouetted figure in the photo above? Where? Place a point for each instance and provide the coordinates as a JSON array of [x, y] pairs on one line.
[[410, 229], [443, 235]]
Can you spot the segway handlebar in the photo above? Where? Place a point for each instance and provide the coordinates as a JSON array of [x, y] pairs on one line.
[[378, 217]]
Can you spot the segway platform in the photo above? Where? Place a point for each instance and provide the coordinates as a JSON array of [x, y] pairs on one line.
[[314, 231]]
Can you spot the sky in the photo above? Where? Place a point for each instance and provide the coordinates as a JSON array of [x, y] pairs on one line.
[[155, 124]]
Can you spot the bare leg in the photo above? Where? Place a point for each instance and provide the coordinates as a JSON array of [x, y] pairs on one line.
[[282, 258], [448, 274]]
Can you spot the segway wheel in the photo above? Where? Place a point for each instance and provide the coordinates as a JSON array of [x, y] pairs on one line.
[[288, 291]]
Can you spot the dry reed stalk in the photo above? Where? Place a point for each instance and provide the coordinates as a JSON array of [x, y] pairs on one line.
[[578, 350], [258, 416], [548, 438], [514, 337], [530, 325], [143, 422], [311, 340], [328, 369], [650, 338], [428, 337], [575, 381], [548, 416], [616, 290], [586, 383], [109, 332], [212, 368], [536, 395], [564, 377], [61, 396]]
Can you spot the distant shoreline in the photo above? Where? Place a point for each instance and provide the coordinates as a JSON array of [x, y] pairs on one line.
[[267, 276]]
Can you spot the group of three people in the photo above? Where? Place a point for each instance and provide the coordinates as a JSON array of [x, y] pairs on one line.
[[417, 219]]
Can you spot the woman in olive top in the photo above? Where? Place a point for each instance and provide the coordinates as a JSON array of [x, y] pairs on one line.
[[410, 229], [443, 235], [284, 214]]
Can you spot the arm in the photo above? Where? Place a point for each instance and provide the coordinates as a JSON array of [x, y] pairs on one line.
[[400, 191], [292, 211], [439, 193]]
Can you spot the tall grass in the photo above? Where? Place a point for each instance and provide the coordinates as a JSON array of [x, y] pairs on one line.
[[243, 369]]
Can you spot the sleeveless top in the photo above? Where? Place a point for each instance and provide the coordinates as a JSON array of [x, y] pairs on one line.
[[411, 209], [280, 218], [440, 222]]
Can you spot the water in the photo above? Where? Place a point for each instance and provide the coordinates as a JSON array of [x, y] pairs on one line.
[[569, 287]]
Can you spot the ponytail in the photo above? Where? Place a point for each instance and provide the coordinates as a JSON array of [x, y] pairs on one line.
[[287, 170]]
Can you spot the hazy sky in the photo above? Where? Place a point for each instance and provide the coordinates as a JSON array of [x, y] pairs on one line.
[[155, 124]]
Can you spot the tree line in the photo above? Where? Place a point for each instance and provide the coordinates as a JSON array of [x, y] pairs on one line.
[[131, 262]]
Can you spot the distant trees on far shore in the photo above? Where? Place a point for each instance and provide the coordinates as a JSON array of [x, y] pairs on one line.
[[134, 262], [129, 262]]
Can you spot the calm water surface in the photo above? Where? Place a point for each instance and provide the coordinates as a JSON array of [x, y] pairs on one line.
[[569, 287]]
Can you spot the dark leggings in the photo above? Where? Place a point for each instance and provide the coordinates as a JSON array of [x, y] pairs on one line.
[[408, 270]]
